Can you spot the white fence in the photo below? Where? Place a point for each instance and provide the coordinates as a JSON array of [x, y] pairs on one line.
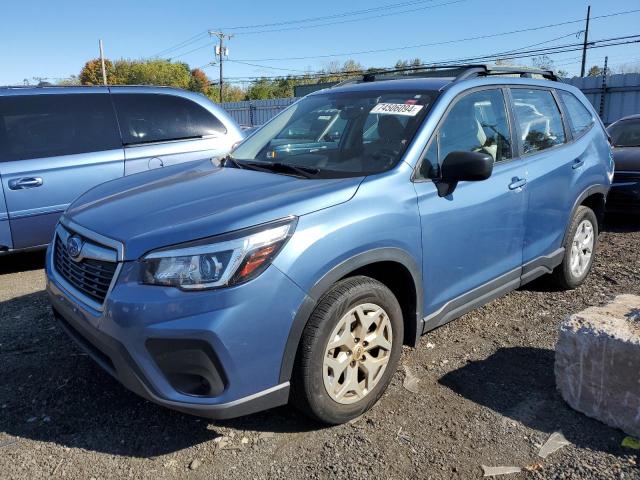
[[614, 97], [256, 112]]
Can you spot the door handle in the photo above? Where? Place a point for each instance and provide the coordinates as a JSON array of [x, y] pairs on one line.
[[23, 183], [517, 183], [577, 163]]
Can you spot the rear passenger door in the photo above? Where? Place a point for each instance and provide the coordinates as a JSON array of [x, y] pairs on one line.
[[163, 129], [54, 147], [553, 165]]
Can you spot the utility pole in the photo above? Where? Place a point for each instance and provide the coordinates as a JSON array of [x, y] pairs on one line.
[[221, 51], [104, 70], [586, 41]]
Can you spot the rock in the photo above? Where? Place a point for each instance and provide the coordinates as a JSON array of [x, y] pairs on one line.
[[195, 464], [597, 365]]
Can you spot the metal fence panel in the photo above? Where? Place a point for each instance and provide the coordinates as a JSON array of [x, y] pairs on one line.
[[256, 112], [621, 94]]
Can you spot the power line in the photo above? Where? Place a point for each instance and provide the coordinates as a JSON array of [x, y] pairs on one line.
[[182, 44], [201, 47], [265, 66], [329, 17], [201, 35], [446, 42], [306, 27], [608, 42]]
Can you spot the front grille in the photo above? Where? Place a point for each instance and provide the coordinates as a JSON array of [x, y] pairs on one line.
[[626, 176], [91, 277]]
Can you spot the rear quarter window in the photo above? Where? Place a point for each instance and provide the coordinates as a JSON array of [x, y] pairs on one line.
[[52, 125], [148, 118], [580, 118]]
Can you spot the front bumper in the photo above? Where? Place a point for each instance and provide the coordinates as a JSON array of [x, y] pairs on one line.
[[239, 335]]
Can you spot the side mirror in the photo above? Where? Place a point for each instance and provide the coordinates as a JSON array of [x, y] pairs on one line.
[[463, 166]]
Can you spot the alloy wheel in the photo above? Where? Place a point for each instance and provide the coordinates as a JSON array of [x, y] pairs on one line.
[[357, 353]]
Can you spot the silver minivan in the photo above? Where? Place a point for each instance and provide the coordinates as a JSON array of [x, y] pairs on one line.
[[58, 142]]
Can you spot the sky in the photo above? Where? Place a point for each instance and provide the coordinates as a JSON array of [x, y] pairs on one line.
[[52, 40]]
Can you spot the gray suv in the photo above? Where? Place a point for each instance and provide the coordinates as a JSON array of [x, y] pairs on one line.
[[58, 142]]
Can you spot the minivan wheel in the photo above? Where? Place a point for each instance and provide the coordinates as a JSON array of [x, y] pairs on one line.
[[579, 249], [349, 351]]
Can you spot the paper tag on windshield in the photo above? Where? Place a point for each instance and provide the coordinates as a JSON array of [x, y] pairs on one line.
[[397, 109]]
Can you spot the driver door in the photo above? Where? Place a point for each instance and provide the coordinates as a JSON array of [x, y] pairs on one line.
[[472, 239]]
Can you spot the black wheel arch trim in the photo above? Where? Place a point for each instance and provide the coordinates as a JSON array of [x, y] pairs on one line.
[[377, 255], [594, 189]]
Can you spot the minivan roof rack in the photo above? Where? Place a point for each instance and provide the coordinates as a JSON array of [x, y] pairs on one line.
[[457, 72]]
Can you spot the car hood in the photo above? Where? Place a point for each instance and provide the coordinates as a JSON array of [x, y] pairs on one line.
[[191, 201], [627, 158]]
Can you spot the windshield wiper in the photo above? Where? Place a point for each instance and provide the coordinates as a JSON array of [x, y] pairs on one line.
[[277, 167], [230, 160]]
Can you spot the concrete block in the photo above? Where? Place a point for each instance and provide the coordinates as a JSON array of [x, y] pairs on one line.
[[597, 364]]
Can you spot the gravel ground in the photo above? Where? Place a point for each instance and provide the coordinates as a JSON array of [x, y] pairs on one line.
[[486, 396]]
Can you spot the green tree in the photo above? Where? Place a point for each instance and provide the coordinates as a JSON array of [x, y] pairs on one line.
[[152, 72], [542, 62], [91, 73], [199, 82]]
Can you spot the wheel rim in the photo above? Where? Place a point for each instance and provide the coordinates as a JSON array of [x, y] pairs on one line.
[[357, 353], [582, 248]]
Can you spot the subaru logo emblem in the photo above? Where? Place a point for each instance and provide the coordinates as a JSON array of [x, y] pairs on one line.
[[74, 247]]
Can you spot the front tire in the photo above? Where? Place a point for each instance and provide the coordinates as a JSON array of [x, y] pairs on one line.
[[579, 249], [349, 351]]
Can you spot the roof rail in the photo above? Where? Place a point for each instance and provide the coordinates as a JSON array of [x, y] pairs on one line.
[[457, 72]]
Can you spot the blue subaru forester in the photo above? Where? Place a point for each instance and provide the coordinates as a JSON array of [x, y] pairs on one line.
[[358, 219]]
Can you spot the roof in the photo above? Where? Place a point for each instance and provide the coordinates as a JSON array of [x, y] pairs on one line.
[[409, 84], [437, 77], [37, 88]]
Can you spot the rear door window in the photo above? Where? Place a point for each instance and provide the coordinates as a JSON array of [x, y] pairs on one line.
[[580, 118], [51, 125], [149, 118], [539, 119]]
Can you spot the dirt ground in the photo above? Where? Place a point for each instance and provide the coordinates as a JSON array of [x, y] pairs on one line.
[[486, 396]]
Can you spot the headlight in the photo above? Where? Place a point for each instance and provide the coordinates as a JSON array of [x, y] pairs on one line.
[[219, 261]]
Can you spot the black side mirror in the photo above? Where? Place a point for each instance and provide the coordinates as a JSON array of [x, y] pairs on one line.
[[463, 166]]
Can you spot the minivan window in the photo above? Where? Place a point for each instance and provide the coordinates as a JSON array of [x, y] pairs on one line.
[[51, 125], [477, 123], [149, 118], [539, 119], [580, 118], [338, 134]]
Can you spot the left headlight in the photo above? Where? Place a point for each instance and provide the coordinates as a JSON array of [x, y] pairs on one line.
[[219, 261]]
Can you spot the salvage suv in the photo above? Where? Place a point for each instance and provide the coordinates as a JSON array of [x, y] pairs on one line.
[[296, 274]]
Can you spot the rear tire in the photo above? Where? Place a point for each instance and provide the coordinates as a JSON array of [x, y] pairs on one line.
[[349, 351], [579, 250]]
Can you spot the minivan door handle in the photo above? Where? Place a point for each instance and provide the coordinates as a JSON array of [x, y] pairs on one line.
[[517, 183], [23, 183], [577, 163]]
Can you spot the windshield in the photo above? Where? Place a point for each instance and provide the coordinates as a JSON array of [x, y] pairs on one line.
[[338, 134], [625, 133]]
